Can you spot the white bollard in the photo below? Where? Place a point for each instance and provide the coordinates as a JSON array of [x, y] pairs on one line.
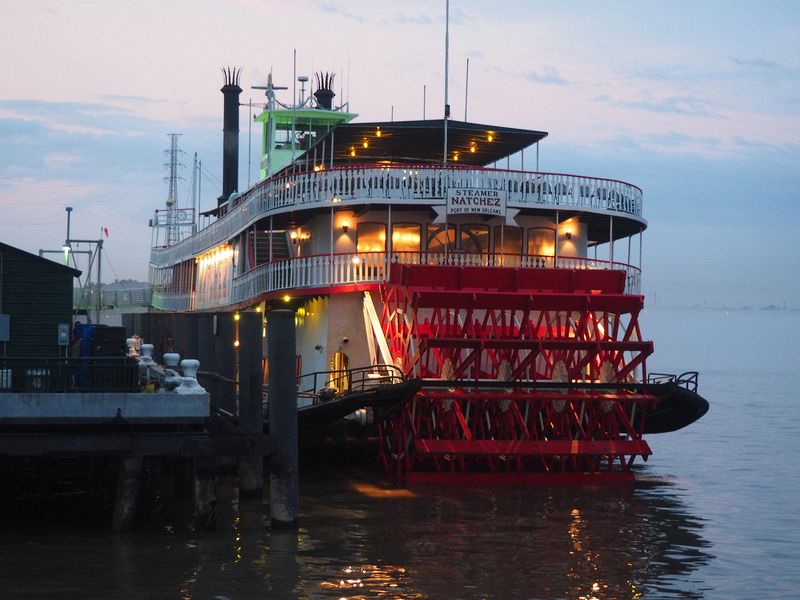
[[190, 384], [146, 359]]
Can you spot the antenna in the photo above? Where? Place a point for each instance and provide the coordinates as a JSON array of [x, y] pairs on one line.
[[303, 79], [466, 92], [446, 77]]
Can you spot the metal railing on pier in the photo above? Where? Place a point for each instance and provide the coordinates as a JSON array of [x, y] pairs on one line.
[[69, 375]]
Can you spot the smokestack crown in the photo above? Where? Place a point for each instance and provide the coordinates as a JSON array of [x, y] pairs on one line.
[[324, 93]]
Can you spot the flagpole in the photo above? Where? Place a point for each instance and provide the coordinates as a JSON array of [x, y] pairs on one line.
[[446, 114]]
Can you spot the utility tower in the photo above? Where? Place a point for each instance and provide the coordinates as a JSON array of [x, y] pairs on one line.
[[173, 231]]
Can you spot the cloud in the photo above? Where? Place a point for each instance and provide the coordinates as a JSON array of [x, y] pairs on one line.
[[754, 62], [55, 159], [404, 19], [548, 75], [674, 105], [340, 11], [133, 99], [12, 127]]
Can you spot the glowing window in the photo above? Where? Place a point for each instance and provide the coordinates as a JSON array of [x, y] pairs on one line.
[[405, 237], [371, 237], [541, 241], [507, 240], [436, 237], [475, 238]]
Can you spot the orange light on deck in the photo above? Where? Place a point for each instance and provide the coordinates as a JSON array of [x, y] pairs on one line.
[[473, 147], [286, 298], [365, 143], [378, 132], [236, 316], [490, 136], [455, 156], [352, 150], [235, 343]]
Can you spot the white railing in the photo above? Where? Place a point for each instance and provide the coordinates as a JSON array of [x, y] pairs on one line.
[[173, 302], [121, 298], [325, 270], [392, 184]]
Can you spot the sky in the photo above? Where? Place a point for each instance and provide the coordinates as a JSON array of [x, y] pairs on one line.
[[697, 103]]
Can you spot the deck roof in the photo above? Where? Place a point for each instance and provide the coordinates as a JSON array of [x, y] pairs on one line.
[[421, 142]]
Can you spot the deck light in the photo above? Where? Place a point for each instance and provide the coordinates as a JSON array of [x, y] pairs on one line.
[[473, 147], [378, 132], [345, 226], [352, 150], [236, 316], [235, 343], [568, 234], [336, 199], [455, 156], [490, 136], [365, 143], [286, 298]]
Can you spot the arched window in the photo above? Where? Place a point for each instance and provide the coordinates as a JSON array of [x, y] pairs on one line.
[[436, 237], [541, 241], [507, 240], [474, 239]]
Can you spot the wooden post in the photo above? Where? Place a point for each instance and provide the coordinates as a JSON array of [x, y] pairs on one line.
[[284, 477], [251, 419]]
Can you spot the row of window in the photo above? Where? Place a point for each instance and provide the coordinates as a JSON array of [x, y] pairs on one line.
[[470, 238]]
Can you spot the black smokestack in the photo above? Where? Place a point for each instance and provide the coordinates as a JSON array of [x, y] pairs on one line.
[[324, 93], [230, 134]]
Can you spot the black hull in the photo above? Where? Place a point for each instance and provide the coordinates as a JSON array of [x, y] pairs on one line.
[[677, 408]]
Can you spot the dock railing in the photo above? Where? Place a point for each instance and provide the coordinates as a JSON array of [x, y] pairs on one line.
[[68, 375]]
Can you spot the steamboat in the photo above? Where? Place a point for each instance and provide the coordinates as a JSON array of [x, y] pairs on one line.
[[447, 301]]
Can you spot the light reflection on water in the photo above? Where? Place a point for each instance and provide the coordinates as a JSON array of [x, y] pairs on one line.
[[622, 541]]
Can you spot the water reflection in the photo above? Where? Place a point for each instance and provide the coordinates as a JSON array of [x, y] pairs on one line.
[[567, 542], [359, 541]]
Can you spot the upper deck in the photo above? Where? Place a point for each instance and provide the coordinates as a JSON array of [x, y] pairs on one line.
[[289, 195]]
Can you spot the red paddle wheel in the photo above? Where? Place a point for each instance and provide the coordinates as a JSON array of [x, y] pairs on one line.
[[521, 372]]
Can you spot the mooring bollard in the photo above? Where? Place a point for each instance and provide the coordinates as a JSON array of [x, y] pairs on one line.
[[284, 476]]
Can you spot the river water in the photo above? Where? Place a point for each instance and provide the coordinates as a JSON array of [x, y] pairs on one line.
[[713, 514]]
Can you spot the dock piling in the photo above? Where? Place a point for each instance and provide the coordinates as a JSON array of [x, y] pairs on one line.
[[284, 476]]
